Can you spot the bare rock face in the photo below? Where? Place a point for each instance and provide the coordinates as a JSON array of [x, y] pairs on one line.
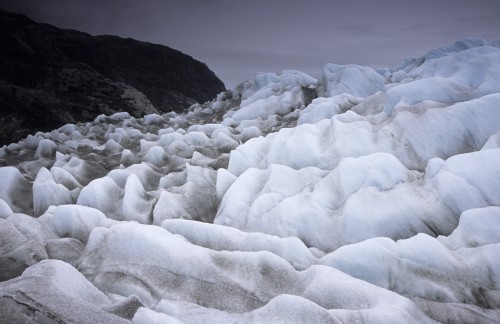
[[50, 77]]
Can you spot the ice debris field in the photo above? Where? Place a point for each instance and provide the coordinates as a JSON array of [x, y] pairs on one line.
[[369, 195]]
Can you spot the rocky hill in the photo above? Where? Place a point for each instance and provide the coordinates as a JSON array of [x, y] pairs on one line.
[[50, 77]]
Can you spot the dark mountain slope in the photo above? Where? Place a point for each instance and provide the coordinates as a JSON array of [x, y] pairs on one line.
[[158, 71], [50, 77]]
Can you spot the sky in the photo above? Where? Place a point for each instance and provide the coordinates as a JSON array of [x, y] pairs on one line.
[[237, 38]]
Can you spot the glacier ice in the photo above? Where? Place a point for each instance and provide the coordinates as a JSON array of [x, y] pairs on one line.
[[15, 189], [46, 192], [358, 81], [366, 195], [53, 291], [460, 262]]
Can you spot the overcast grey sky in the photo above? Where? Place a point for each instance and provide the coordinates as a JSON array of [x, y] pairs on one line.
[[236, 38]]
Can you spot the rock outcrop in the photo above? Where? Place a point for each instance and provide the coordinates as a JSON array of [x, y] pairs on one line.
[[50, 77]]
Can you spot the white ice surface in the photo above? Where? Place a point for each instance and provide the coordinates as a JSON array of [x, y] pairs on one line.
[[369, 195], [159, 265], [460, 263], [74, 221], [53, 291], [358, 81], [15, 189], [46, 192]]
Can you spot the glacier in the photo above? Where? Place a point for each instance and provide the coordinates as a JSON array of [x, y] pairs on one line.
[[367, 195]]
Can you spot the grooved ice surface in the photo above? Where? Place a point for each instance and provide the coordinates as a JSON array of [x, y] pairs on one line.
[[368, 195]]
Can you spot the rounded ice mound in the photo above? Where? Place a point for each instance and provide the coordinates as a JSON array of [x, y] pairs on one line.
[[189, 194], [266, 84], [273, 94], [47, 192], [62, 295], [326, 209], [16, 251], [492, 143], [73, 221], [5, 210], [148, 177], [477, 227], [137, 204], [103, 194], [414, 137], [116, 117], [23, 240], [456, 262], [224, 238], [153, 119], [176, 269], [81, 170], [196, 138], [250, 132], [457, 47], [65, 178], [128, 158], [181, 149], [468, 74], [159, 265], [358, 81], [112, 146], [156, 156], [326, 108], [46, 149], [68, 250], [15, 190], [469, 180]]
